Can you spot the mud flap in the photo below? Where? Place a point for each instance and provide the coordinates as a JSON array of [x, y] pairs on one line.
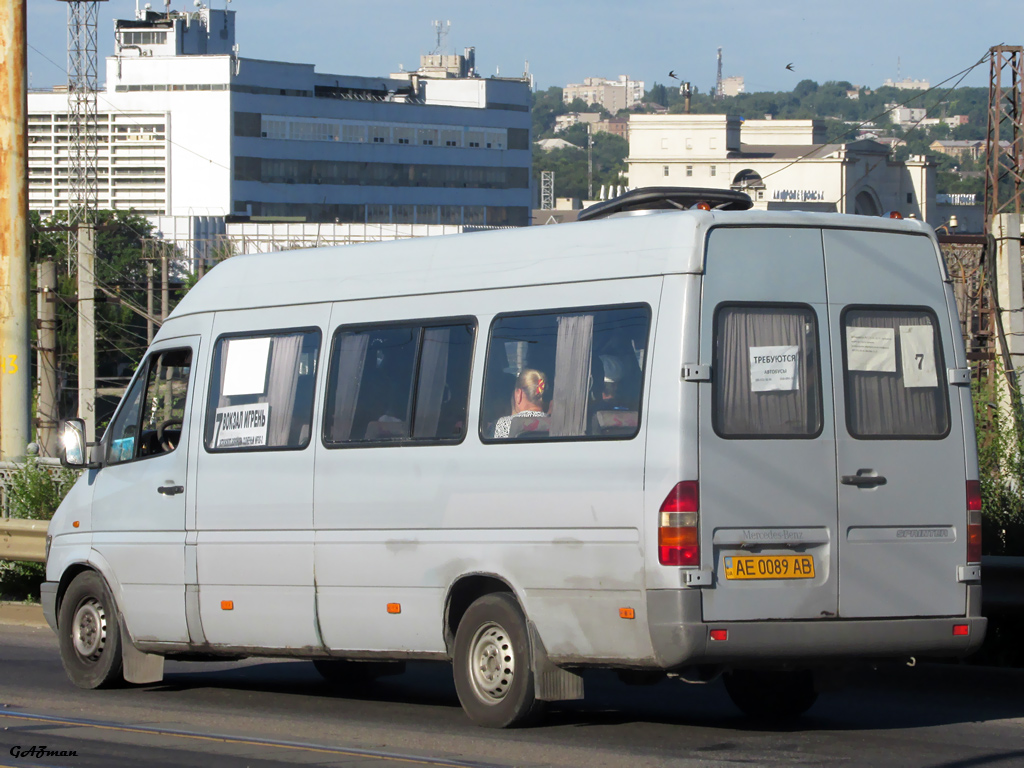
[[138, 667], [551, 683]]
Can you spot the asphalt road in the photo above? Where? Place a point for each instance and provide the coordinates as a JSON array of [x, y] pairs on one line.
[[267, 713]]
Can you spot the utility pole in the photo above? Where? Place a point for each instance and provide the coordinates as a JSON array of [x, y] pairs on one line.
[[149, 302], [165, 296], [87, 328], [590, 163], [15, 363], [1004, 142], [46, 358]]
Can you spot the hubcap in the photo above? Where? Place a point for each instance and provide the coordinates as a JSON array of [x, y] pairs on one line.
[[492, 663], [89, 629]]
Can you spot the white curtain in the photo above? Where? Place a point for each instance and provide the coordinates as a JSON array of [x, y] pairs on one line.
[[433, 372], [572, 375], [284, 378], [351, 359]]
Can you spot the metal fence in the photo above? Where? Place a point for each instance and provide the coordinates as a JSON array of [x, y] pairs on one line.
[[7, 468]]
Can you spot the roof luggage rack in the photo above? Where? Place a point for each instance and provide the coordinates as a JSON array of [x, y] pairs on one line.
[[668, 198]]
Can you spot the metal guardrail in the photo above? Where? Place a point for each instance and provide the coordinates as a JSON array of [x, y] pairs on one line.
[[23, 540]]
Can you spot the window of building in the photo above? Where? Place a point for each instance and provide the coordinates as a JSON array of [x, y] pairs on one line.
[[151, 416], [767, 381], [261, 391], [689, 170], [399, 383], [664, 143], [664, 170], [380, 134], [565, 374], [899, 389], [143, 38], [353, 133], [426, 136], [689, 143], [451, 138], [714, 170]]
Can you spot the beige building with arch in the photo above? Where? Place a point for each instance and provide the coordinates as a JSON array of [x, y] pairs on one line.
[[781, 164]]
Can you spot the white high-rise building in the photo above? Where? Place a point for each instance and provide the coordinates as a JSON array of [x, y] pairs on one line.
[[187, 127]]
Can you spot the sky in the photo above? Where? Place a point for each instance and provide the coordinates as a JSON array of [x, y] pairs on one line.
[[564, 42]]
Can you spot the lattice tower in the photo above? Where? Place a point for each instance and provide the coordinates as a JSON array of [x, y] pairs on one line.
[[83, 143], [547, 190], [1004, 143]]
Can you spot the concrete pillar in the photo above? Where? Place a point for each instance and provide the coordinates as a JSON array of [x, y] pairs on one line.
[[1006, 229]]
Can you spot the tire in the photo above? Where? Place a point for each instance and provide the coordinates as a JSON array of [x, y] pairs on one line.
[[492, 664], [345, 673], [89, 634], [771, 695]]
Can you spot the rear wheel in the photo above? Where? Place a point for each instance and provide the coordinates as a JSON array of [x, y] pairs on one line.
[[356, 674], [89, 635], [493, 665], [768, 694]]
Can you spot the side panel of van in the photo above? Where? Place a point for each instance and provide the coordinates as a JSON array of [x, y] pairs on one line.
[[254, 514], [768, 510], [559, 522], [898, 418]]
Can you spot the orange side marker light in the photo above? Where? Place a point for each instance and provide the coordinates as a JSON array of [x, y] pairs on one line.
[[75, 524], [627, 613], [227, 605], [394, 607]]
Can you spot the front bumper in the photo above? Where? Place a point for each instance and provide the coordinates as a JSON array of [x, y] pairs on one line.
[[680, 638], [48, 599]]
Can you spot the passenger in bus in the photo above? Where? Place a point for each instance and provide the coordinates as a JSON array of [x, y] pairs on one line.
[[527, 400]]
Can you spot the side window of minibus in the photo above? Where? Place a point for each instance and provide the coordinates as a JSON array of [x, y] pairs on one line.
[[261, 391], [565, 374], [399, 383], [766, 372], [151, 419], [895, 374]]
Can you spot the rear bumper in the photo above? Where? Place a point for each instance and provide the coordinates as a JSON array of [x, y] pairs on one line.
[[680, 638]]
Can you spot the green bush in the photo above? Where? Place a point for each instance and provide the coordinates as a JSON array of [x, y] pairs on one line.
[[1001, 472], [32, 492]]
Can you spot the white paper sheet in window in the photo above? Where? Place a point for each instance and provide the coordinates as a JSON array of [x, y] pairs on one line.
[[917, 350], [245, 372], [774, 369], [871, 349]]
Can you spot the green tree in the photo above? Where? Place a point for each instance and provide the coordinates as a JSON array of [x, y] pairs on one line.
[[121, 283]]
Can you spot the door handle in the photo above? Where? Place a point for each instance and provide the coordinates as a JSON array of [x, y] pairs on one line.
[[863, 481], [171, 490]]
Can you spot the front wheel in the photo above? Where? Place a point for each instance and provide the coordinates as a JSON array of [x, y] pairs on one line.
[[90, 638], [773, 695], [492, 664]]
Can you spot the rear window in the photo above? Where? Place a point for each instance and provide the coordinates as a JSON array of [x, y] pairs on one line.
[[895, 378], [766, 371]]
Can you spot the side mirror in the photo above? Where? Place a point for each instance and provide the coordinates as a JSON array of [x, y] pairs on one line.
[[74, 445]]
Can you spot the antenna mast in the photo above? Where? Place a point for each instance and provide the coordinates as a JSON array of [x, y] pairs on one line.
[[441, 30], [719, 95]]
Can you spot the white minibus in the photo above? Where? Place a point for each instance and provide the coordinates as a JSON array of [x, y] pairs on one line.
[[680, 437]]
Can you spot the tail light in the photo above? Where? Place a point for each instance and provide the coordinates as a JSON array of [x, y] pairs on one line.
[[677, 530], [973, 521]]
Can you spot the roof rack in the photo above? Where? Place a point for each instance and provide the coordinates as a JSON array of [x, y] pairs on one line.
[[668, 198]]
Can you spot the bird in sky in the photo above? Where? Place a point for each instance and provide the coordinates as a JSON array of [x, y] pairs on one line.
[[673, 75], [790, 67]]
